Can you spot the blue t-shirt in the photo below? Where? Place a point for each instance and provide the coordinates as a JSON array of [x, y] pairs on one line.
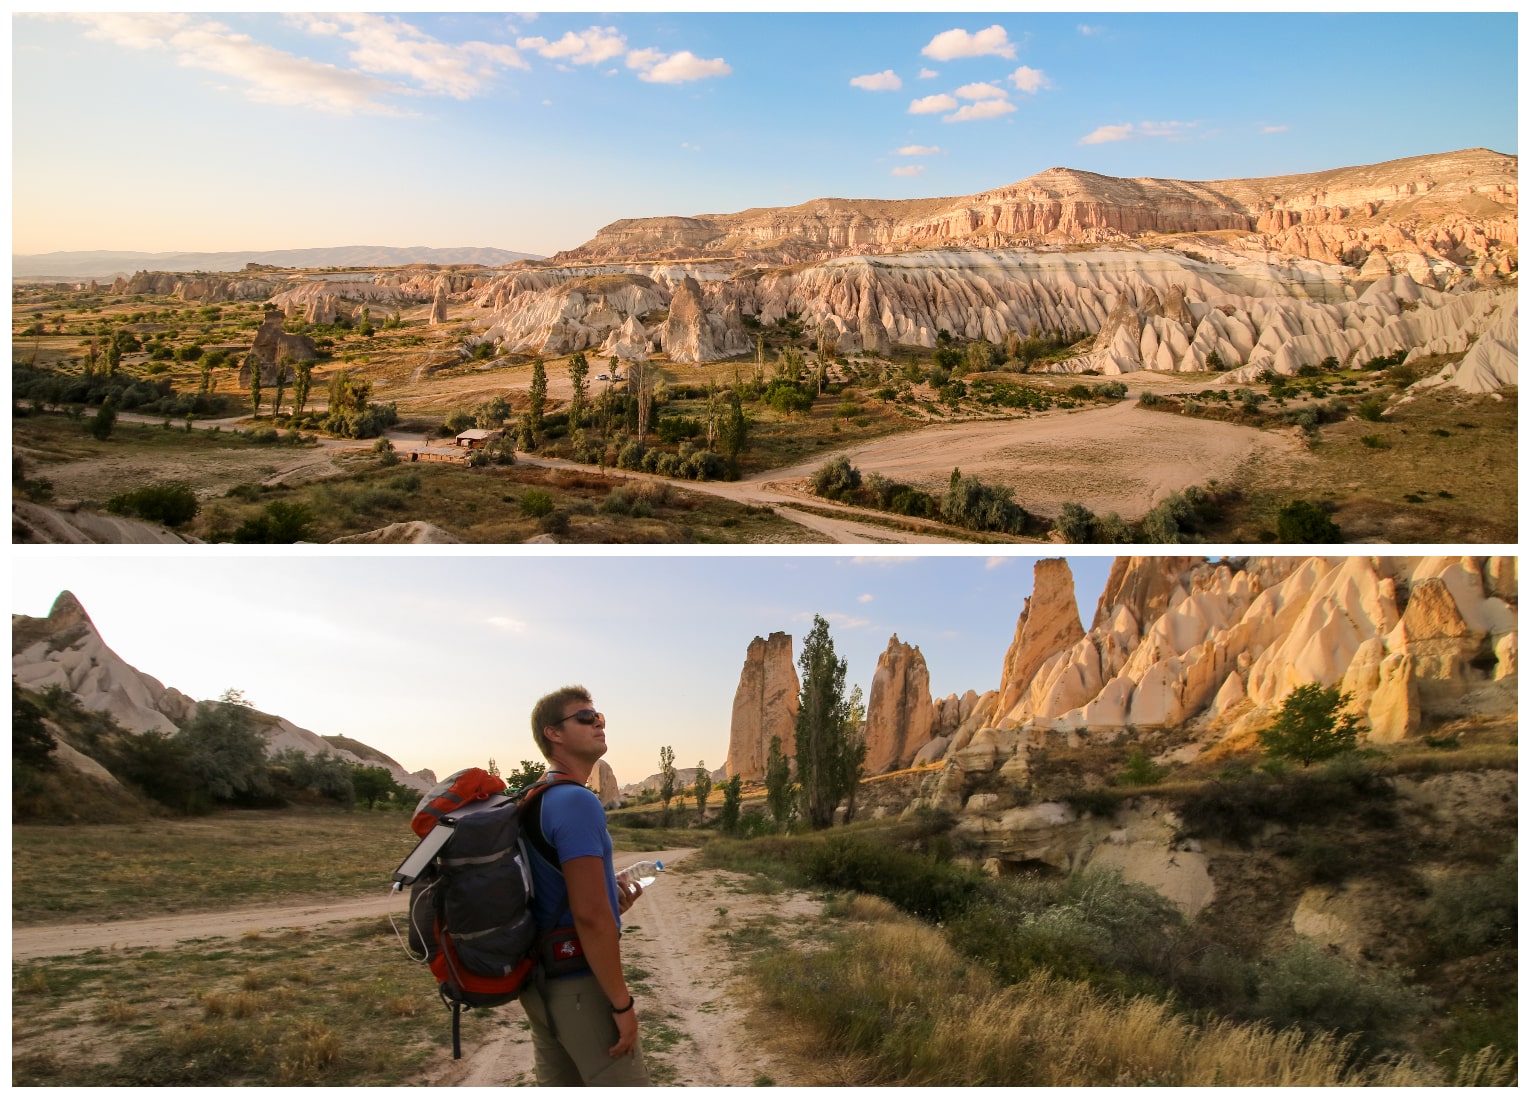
[[574, 823]]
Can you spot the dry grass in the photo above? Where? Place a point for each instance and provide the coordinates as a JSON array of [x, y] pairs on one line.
[[895, 1004]]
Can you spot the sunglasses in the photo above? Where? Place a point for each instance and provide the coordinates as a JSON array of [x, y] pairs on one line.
[[584, 717]]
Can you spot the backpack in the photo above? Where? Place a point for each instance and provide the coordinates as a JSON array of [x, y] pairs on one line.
[[469, 904]]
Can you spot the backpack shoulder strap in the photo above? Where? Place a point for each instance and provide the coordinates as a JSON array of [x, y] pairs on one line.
[[531, 816]]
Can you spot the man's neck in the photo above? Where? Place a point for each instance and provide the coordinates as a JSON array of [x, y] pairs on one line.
[[572, 768]]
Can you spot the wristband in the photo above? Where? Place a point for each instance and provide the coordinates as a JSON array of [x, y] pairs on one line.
[[631, 1000]]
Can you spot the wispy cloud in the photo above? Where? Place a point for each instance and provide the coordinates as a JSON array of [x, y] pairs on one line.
[[928, 74], [388, 46], [920, 150], [933, 104], [952, 44], [509, 625], [1029, 80], [998, 562], [866, 597], [268, 75], [1274, 129], [885, 81], [675, 68], [975, 112], [587, 47], [909, 170], [1090, 31], [1126, 130]]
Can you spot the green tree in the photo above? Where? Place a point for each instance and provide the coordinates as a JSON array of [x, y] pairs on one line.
[[365, 328], [523, 776], [829, 755], [702, 790], [372, 784], [779, 791], [301, 383], [254, 364], [733, 797], [578, 370], [666, 778], [733, 431], [31, 743], [225, 752], [283, 374], [538, 394], [104, 420], [1309, 726]]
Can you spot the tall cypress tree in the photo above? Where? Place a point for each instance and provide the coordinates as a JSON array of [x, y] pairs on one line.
[[829, 748]]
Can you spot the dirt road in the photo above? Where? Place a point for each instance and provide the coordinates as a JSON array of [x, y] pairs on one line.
[[680, 964]]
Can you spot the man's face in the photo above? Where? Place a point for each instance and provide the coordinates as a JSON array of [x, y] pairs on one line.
[[582, 732]]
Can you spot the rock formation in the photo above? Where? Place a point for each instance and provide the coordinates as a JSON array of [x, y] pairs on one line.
[[438, 304], [271, 346], [764, 706], [1048, 625], [900, 718], [66, 651], [603, 782]]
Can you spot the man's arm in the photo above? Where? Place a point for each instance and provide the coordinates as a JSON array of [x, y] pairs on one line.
[[601, 940]]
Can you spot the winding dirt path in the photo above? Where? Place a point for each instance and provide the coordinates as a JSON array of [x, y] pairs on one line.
[[680, 964]]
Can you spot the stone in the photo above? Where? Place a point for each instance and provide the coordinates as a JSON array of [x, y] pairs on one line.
[[438, 305], [1048, 624], [899, 714], [764, 706], [272, 345]]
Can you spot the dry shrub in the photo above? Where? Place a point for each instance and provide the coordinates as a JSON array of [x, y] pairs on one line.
[[239, 1005], [864, 907], [255, 980], [32, 981], [897, 997], [307, 1054], [117, 1011], [403, 1007]]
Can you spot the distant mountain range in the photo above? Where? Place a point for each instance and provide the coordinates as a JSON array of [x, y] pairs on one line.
[[108, 265]]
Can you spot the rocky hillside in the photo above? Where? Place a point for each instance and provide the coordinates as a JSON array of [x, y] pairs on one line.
[[65, 650], [1460, 205]]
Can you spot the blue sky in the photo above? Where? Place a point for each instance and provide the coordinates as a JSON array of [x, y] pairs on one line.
[[438, 659], [261, 131]]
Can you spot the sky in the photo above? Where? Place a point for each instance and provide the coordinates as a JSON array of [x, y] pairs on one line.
[[210, 132], [437, 659]]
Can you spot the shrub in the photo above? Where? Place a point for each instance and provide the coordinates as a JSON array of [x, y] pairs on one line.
[[1475, 912], [1303, 522], [169, 502], [631, 456], [281, 523], [1140, 770], [536, 503], [971, 503], [836, 479], [1375, 442], [1372, 409], [1172, 519], [1076, 523], [918, 884], [1304, 986]]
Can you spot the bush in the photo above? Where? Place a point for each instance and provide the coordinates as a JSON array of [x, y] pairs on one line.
[[1173, 519], [631, 456], [536, 503], [169, 502], [918, 884], [972, 504], [1304, 986], [1076, 523], [836, 479], [1476, 912], [1303, 522], [281, 523], [1372, 409]]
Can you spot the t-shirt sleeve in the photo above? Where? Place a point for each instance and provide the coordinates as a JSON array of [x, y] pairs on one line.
[[574, 822]]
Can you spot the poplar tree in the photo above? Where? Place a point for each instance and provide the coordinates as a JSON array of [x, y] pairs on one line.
[[830, 751], [703, 790], [538, 393], [578, 369]]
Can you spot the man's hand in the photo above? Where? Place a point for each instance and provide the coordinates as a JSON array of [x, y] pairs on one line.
[[626, 893], [626, 1033]]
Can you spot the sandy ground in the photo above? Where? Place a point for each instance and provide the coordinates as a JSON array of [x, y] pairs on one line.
[[674, 933]]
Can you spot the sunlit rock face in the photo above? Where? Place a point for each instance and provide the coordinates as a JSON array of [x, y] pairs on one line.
[[764, 706]]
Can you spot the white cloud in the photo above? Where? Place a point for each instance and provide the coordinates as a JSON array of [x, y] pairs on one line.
[[1029, 80], [509, 625], [997, 562], [675, 68], [987, 108], [389, 46], [928, 74], [1125, 130], [269, 75], [933, 104], [1107, 133], [588, 47], [885, 81], [949, 45], [1274, 129], [920, 150], [1090, 31], [865, 598], [981, 91], [909, 170]]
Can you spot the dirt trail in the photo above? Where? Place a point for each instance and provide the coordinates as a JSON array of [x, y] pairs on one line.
[[680, 965]]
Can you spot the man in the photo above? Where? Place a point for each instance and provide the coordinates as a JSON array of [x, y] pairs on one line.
[[584, 1024]]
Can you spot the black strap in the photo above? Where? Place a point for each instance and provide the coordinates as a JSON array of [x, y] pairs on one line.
[[531, 822], [456, 1031]]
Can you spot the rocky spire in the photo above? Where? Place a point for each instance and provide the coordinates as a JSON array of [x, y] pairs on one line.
[[764, 706], [899, 713]]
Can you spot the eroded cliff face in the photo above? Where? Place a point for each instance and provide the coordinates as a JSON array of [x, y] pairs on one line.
[[764, 706], [900, 715]]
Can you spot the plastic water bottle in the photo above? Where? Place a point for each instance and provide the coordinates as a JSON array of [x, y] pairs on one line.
[[643, 873]]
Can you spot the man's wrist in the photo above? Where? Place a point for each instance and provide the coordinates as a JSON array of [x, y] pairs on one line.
[[631, 1000]]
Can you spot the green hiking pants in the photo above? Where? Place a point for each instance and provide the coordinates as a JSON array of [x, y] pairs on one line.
[[571, 1031]]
